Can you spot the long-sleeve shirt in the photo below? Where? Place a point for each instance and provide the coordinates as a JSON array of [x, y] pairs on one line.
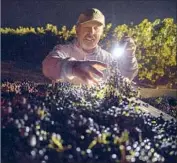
[[57, 65]]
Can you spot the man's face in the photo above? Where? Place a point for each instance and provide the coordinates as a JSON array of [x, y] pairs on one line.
[[89, 34]]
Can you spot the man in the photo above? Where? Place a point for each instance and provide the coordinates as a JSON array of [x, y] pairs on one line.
[[83, 60]]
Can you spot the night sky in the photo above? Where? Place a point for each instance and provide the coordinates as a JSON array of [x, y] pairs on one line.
[[34, 13]]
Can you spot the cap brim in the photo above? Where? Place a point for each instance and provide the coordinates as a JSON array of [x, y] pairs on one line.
[[93, 21]]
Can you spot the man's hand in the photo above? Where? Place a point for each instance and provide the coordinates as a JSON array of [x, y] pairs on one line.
[[86, 70], [130, 45]]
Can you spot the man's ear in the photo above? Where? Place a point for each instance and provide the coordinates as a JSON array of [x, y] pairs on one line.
[[102, 33], [77, 29]]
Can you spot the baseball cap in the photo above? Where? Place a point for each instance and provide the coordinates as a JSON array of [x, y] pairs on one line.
[[91, 15]]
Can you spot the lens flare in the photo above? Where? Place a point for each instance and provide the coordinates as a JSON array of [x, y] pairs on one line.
[[117, 52]]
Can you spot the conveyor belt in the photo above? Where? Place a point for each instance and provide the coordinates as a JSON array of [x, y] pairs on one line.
[[154, 111]]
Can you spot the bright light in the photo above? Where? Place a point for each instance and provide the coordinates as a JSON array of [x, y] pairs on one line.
[[118, 51]]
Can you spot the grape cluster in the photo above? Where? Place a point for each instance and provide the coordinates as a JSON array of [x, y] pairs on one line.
[[66, 123]]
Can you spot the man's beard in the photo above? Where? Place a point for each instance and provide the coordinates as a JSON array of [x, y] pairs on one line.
[[88, 44]]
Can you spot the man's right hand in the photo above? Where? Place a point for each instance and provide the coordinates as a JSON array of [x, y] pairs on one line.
[[85, 70]]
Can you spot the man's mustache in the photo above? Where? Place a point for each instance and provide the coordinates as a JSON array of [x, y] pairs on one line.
[[89, 36]]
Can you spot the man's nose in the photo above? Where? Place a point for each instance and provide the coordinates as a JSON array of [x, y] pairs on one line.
[[92, 30]]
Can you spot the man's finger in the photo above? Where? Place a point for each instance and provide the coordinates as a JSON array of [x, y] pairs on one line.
[[131, 47], [87, 77], [98, 65], [92, 79], [84, 78], [95, 71]]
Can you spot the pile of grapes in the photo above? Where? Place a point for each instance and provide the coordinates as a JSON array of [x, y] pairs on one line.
[[63, 123]]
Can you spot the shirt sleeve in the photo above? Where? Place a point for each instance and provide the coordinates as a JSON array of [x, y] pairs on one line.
[[57, 65]]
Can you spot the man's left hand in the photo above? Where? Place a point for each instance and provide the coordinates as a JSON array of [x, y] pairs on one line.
[[130, 46]]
